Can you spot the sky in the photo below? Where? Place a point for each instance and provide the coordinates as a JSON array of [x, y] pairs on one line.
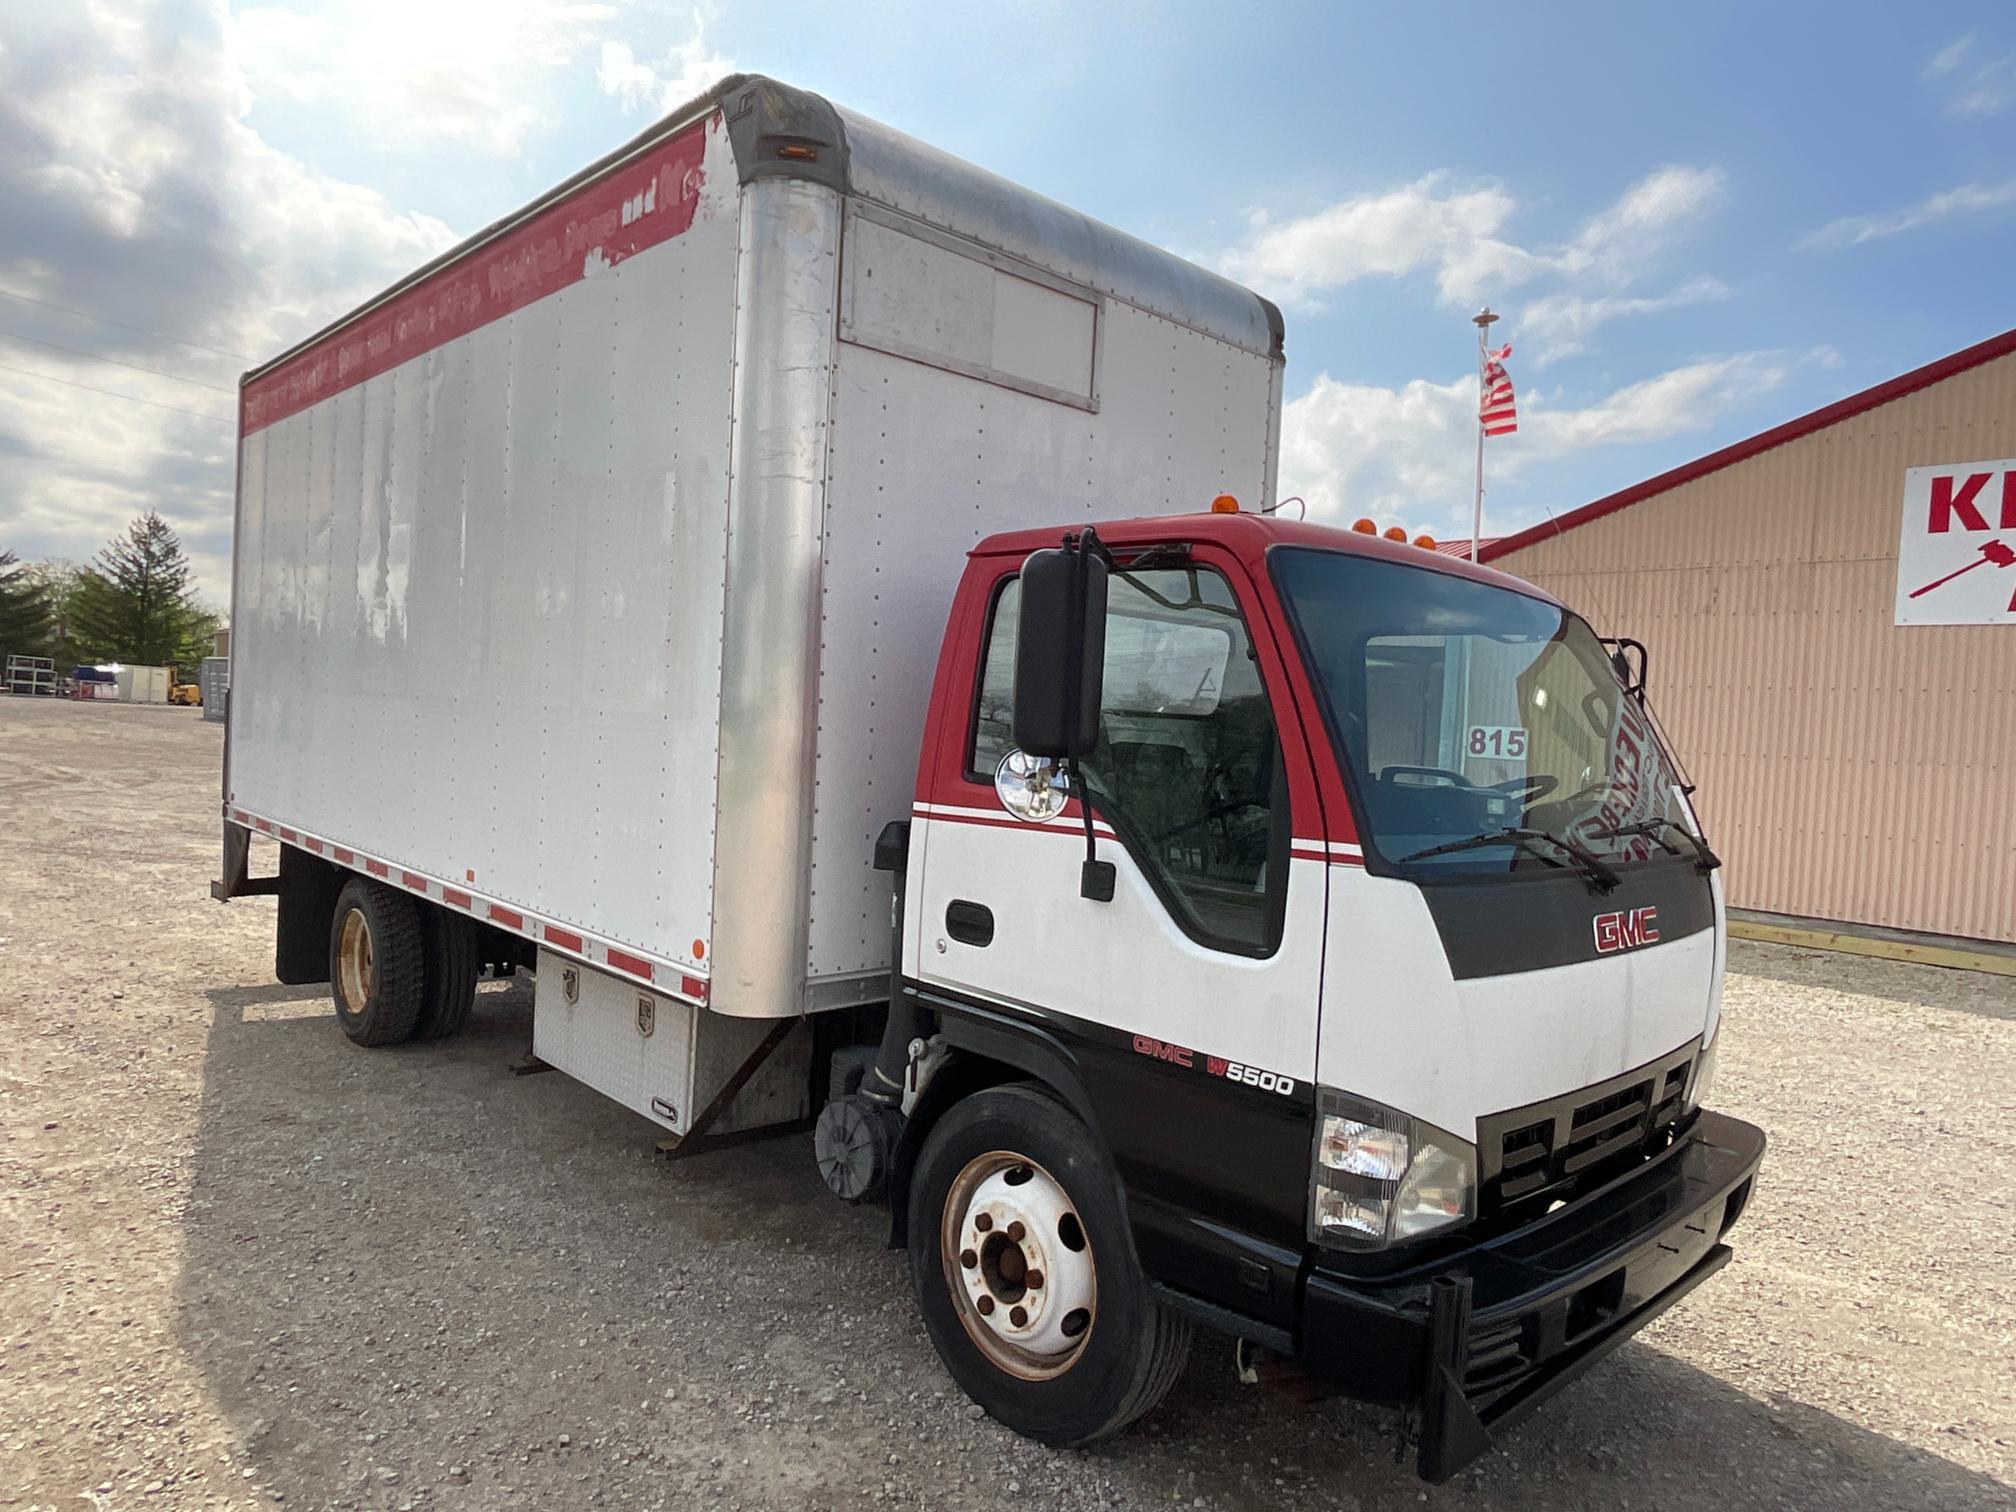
[[1696, 222]]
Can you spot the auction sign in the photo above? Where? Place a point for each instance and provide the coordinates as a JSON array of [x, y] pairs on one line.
[[1956, 557]]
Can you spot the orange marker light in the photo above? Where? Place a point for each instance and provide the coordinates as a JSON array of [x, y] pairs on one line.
[[1364, 527], [1224, 504], [1396, 533], [1425, 542]]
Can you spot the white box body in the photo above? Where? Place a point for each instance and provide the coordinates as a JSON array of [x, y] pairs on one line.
[[621, 610]]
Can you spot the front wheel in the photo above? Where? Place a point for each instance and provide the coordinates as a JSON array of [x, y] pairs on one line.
[[1026, 1276]]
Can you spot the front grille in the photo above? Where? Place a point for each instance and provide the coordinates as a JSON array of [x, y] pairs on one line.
[[1540, 1152]]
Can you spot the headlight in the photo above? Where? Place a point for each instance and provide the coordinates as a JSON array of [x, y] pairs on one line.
[[1704, 1073], [1381, 1177]]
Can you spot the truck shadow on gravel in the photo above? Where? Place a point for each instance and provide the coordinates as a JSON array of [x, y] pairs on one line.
[[413, 1279]]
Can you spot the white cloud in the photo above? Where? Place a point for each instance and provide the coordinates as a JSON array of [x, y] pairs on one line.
[[1456, 231], [407, 74], [1561, 325], [1992, 91], [1407, 454], [690, 69], [1967, 199], [1948, 57], [1984, 90], [142, 195]]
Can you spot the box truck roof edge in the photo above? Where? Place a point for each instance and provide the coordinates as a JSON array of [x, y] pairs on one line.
[[780, 131]]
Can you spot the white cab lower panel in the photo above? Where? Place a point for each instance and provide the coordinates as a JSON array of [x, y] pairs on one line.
[[660, 1057]]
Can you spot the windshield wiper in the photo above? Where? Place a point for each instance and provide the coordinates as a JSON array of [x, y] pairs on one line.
[[1655, 829], [1592, 868]]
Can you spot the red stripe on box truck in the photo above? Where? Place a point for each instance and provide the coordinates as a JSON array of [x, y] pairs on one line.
[[453, 898], [286, 833], [414, 880], [647, 201], [694, 988], [264, 825], [313, 844], [378, 868], [566, 939], [337, 853], [623, 961], [507, 917]]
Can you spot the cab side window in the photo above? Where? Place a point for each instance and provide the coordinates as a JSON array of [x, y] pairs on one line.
[[1188, 770]]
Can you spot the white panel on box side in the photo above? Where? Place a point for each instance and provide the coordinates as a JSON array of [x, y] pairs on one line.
[[926, 462], [480, 598]]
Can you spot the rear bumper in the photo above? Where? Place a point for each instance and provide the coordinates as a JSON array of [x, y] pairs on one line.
[[1478, 1339]]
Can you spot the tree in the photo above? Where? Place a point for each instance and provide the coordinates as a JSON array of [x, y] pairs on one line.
[[24, 609], [135, 603]]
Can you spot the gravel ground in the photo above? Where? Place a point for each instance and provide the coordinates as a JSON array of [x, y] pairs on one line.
[[242, 1262]]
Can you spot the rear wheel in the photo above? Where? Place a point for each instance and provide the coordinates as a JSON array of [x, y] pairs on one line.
[[376, 963], [1026, 1275], [452, 967]]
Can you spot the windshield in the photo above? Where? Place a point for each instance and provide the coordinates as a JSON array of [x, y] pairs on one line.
[[1464, 710]]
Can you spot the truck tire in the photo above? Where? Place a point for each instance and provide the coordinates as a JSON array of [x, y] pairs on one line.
[[1026, 1275], [377, 963], [448, 992]]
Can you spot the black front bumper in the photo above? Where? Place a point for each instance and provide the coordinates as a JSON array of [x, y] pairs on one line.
[[1478, 1339]]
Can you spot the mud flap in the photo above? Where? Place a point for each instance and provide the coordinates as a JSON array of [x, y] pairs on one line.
[[307, 887]]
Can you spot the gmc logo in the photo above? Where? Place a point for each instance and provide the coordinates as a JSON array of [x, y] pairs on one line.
[[1626, 930], [1161, 1050]]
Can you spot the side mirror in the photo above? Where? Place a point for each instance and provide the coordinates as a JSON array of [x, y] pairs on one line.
[[1630, 674], [1060, 650]]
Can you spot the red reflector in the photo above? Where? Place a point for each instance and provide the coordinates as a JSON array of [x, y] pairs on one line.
[[565, 939], [264, 825], [414, 881], [378, 868], [286, 833], [346, 857], [314, 845], [506, 917], [241, 816], [693, 987], [458, 899], [623, 961]]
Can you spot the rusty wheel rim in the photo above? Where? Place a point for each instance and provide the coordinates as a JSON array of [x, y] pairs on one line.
[[1018, 1266], [354, 962]]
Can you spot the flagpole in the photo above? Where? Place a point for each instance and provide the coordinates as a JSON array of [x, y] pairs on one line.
[[1483, 320]]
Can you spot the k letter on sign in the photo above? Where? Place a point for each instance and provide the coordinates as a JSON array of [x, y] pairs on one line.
[[1956, 557]]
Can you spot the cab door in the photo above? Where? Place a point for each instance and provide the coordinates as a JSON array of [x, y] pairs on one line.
[[1188, 1002]]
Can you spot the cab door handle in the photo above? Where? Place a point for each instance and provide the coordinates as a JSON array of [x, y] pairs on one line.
[[969, 923]]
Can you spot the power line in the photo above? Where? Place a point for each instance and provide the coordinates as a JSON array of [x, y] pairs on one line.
[[111, 393], [57, 346], [108, 320]]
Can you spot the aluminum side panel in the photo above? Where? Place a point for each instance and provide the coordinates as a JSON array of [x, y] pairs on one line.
[[480, 601], [769, 672]]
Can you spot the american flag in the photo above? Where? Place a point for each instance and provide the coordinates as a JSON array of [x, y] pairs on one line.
[[1495, 409]]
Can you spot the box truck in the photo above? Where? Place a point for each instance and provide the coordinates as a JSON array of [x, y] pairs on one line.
[[820, 609]]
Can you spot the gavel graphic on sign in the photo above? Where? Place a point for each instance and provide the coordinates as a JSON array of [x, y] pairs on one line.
[[1991, 551]]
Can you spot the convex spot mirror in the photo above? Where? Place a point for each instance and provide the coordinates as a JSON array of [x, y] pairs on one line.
[[1060, 653], [1033, 788]]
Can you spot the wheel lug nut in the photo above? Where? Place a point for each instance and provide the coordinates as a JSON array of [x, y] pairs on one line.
[[1016, 1231], [1034, 1280], [983, 1222], [968, 1259], [986, 1305], [1018, 1316]]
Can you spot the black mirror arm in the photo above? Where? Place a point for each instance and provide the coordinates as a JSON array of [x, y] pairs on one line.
[[1096, 877]]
